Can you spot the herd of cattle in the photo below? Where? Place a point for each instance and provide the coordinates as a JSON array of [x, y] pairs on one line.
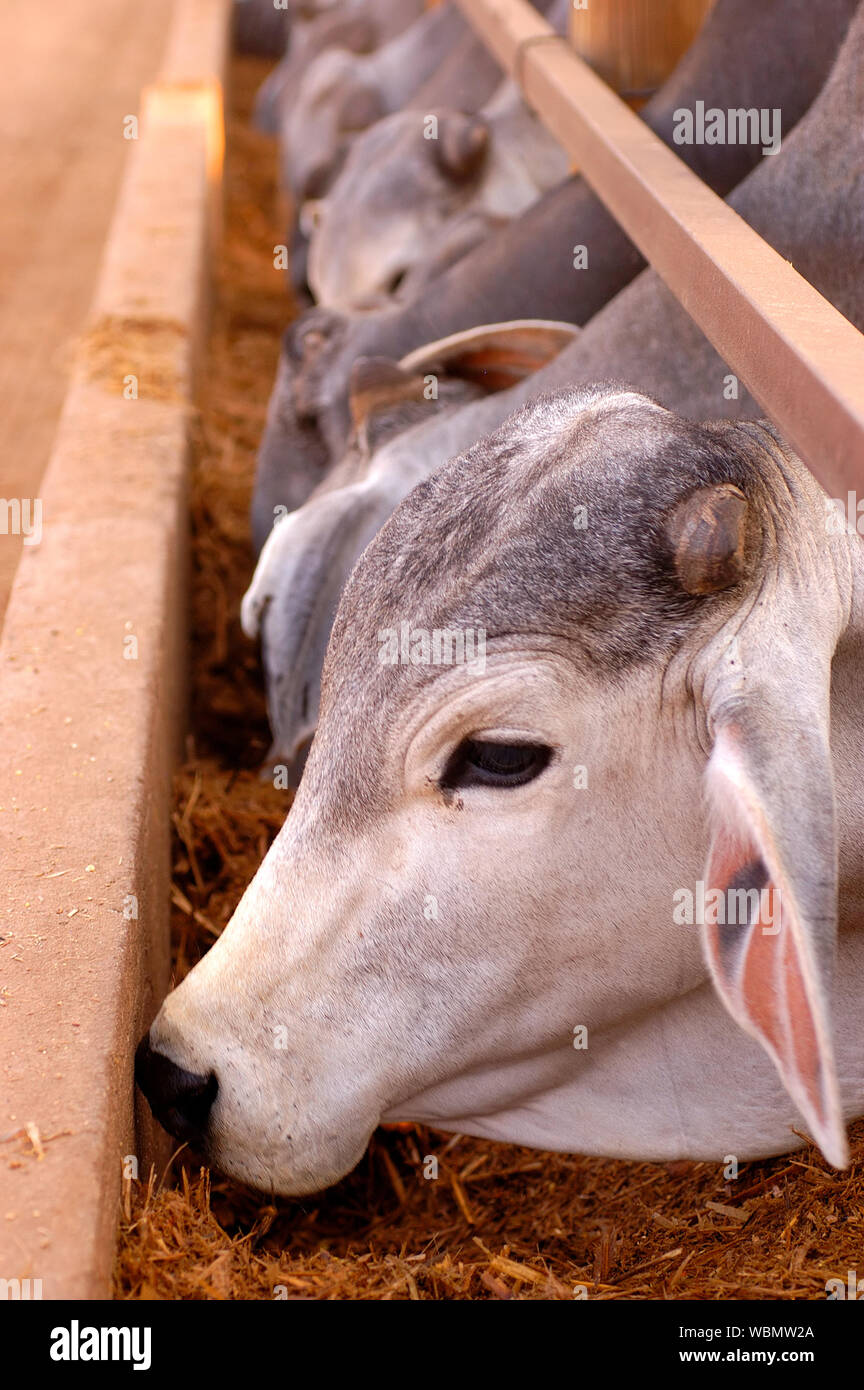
[[576, 859]]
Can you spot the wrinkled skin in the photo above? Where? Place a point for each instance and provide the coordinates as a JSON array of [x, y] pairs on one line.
[[419, 947]]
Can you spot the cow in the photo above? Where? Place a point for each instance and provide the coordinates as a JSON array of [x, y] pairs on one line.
[[341, 98], [476, 914], [424, 185], [419, 190]]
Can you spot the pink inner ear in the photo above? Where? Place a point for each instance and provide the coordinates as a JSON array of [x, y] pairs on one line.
[[773, 994], [759, 971]]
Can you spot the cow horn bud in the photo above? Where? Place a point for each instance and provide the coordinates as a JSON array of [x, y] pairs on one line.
[[461, 146], [708, 533]]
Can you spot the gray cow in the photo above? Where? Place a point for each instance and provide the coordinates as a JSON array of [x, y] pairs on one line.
[[597, 888], [438, 62], [418, 191], [423, 186]]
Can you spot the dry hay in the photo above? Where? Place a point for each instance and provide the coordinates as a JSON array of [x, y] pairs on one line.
[[498, 1222], [154, 350]]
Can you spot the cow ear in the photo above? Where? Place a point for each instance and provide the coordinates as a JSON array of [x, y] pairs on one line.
[[494, 356], [377, 383], [461, 146], [771, 897], [360, 107]]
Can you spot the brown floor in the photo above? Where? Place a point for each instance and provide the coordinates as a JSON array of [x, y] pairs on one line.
[[69, 74]]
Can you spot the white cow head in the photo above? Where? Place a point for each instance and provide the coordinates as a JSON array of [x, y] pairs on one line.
[[484, 857], [310, 552], [405, 205], [421, 189]]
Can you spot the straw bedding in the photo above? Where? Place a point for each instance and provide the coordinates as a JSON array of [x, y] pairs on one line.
[[498, 1222]]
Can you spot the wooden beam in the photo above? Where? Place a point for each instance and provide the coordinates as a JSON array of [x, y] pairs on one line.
[[800, 358]]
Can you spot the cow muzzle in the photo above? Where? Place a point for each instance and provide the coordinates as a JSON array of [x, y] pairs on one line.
[[180, 1100]]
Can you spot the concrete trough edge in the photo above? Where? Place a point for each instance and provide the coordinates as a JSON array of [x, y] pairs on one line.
[[92, 677]]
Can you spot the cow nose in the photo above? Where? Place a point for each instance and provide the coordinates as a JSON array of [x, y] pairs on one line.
[[180, 1100]]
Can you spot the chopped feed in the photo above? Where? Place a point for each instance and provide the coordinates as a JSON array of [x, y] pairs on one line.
[[154, 351], [483, 1220]]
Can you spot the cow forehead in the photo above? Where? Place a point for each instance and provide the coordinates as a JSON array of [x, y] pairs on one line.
[[389, 164], [554, 525], [386, 136]]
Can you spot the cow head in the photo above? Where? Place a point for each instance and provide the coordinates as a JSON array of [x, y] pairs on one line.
[[486, 853], [310, 552], [405, 205], [338, 97], [308, 418]]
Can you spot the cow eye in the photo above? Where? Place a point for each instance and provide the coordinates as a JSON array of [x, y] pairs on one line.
[[477, 763]]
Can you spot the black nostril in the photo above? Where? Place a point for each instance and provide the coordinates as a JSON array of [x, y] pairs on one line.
[[180, 1100]]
